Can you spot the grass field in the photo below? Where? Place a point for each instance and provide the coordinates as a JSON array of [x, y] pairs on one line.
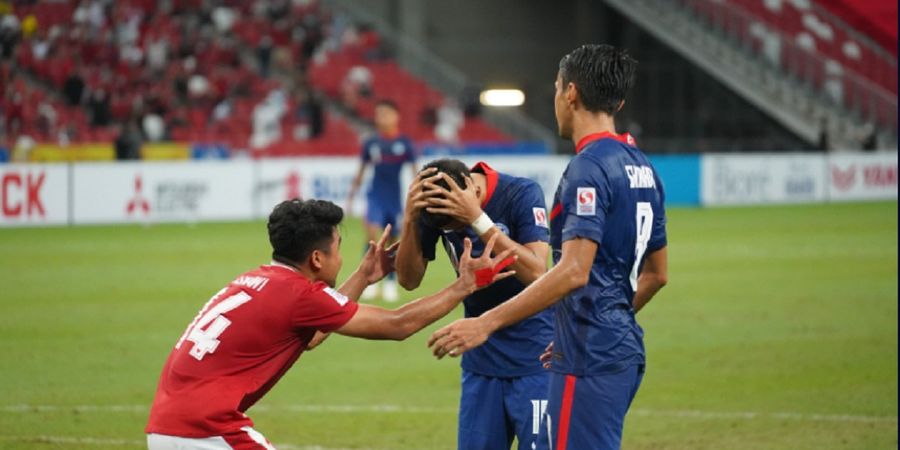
[[778, 330]]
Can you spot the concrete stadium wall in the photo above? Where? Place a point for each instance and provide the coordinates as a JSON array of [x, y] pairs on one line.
[[195, 191]]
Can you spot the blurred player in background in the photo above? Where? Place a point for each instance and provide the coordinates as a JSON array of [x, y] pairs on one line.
[[387, 152], [254, 329], [503, 384], [608, 237]]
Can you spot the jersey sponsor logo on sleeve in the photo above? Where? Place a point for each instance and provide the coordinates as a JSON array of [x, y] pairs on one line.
[[587, 201], [540, 217], [341, 299]]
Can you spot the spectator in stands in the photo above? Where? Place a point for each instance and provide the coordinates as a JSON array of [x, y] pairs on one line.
[[13, 112], [157, 54], [10, 34], [154, 127], [309, 116], [449, 121], [46, 120], [469, 99], [222, 111], [40, 46], [128, 143], [98, 108], [264, 55], [356, 84]]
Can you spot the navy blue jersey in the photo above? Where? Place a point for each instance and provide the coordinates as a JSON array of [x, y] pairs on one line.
[[516, 205], [387, 155], [611, 195]]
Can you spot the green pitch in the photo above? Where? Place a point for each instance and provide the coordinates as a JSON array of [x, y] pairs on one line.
[[778, 331]]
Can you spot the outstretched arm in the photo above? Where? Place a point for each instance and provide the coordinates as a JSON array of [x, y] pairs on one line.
[[372, 322], [571, 273], [654, 275]]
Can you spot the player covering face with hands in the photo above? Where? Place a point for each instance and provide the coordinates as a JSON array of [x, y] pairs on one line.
[[504, 387], [253, 330]]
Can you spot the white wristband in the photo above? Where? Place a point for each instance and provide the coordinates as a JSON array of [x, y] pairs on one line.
[[482, 224]]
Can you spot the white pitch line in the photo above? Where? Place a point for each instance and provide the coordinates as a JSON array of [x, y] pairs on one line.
[[94, 441], [403, 409], [697, 414]]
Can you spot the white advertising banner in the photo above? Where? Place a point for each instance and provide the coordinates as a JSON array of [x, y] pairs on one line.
[[320, 178], [762, 179], [330, 178], [862, 176], [162, 191], [34, 194]]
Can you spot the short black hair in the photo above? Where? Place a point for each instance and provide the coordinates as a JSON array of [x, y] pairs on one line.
[[458, 172], [387, 102], [297, 227], [602, 74]]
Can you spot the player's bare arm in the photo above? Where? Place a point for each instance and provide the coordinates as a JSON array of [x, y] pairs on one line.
[[410, 263], [372, 322], [463, 205], [375, 265], [654, 275], [354, 187], [572, 272]]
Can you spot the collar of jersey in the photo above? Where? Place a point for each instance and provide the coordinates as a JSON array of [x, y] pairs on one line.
[[491, 176], [282, 265], [624, 138]]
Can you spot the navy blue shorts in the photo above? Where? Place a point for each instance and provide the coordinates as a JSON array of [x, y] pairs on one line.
[[588, 413], [493, 411], [380, 214]]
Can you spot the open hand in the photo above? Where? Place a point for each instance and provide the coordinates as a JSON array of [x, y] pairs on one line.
[[378, 261], [468, 267], [461, 204], [458, 337], [416, 195]]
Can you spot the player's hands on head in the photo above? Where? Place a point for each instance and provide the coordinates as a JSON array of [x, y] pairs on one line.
[[461, 204], [469, 267], [379, 260], [416, 195], [458, 337]]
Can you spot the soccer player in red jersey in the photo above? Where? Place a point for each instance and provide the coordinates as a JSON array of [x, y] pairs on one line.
[[254, 329]]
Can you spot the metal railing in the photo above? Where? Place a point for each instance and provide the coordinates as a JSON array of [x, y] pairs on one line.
[[840, 86], [421, 62]]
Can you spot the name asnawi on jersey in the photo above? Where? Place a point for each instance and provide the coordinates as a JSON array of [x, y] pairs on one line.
[[640, 177], [255, 283]]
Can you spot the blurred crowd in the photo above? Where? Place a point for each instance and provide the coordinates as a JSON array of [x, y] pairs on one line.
[[159, 70]]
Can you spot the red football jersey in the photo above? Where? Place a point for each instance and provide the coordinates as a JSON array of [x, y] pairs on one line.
[[239, 345]]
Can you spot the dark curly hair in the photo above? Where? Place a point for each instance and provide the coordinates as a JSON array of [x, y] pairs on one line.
[[297, 227], [602, 74]]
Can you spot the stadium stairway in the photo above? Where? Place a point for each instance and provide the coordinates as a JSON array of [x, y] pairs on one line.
[[800, 103]]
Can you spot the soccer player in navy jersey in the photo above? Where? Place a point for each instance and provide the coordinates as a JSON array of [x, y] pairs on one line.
[[608, 235], [504, 387], [387, 152]]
